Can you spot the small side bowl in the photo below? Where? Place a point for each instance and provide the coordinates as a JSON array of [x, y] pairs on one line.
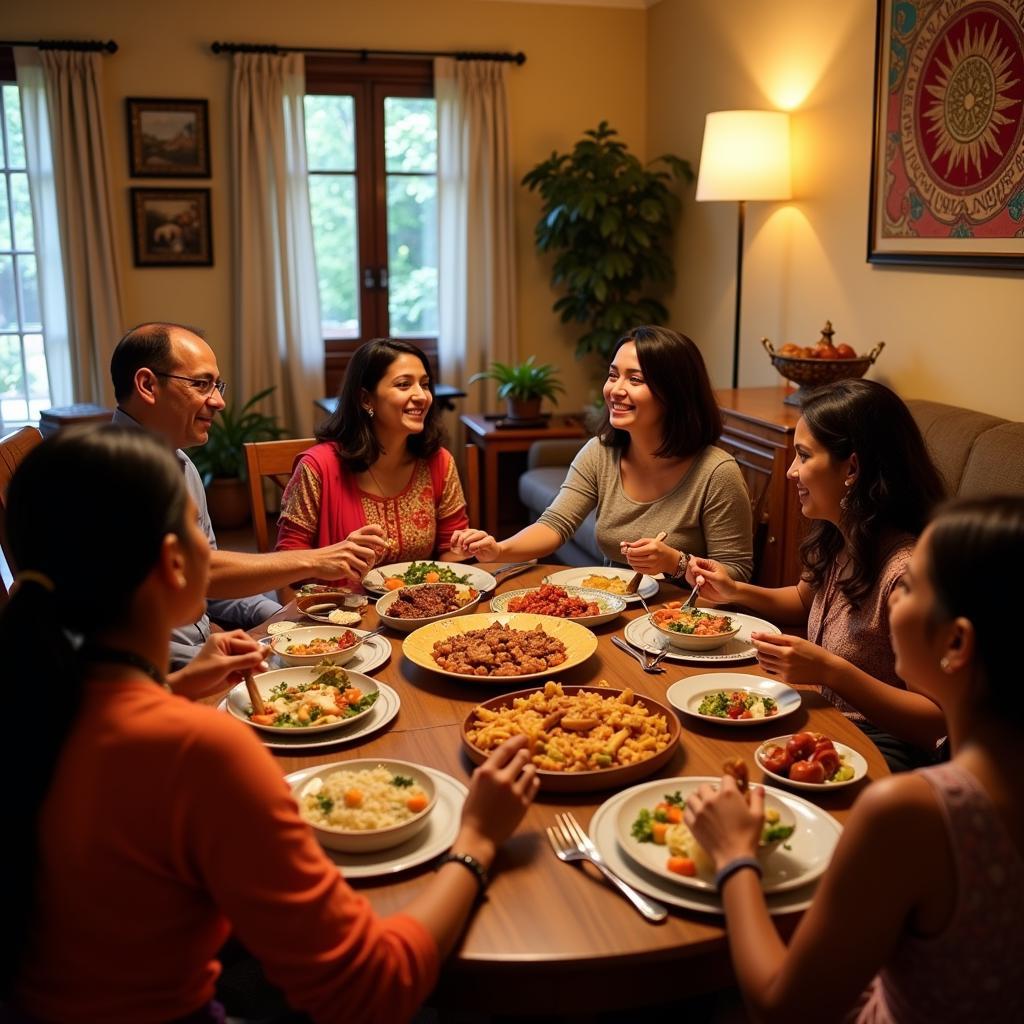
[[303, 635], [689, 642], [368, 840], [339, 599], [408, 625]]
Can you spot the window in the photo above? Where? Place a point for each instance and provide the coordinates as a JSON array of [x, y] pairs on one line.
[[24, 385], [371, 137]]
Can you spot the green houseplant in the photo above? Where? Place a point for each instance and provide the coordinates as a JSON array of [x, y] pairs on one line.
[[221, 461], [523, 386], [608, 220]]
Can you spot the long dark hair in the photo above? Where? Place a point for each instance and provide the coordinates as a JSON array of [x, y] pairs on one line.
[[81, 567], [897, 485], [351, 429], [674, 370], [976, 563]]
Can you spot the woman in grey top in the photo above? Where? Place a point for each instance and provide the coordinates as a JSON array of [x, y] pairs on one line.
[[662, 490]]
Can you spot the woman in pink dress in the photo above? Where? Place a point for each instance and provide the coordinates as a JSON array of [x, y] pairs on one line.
[[919, 916], [379, 472]]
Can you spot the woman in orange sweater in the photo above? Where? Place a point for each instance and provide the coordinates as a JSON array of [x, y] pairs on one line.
[[144, 828]]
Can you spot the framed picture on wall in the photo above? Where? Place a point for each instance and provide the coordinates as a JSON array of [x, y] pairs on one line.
[[171, 227], [947, 163], [168, 138]]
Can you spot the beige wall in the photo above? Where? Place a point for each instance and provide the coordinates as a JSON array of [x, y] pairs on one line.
[[584, 64], [951, 335]]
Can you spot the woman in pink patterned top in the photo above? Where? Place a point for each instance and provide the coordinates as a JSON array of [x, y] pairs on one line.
[[920, 916], [866, 481], [380, 472]]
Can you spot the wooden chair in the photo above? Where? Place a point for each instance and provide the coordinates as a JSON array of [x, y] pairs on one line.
[[471, 484], [13, 448], [270, 460]]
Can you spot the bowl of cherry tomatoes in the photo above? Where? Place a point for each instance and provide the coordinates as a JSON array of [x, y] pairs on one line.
[[810, 760]]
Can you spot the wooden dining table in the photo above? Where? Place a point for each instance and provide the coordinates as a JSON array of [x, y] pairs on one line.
[[552, 938]]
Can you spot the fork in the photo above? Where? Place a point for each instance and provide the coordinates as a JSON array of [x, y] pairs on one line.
[[571, 843], [647, 664]]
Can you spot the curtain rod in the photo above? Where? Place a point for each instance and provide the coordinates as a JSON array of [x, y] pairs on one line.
[[511, 58], [64, 44]]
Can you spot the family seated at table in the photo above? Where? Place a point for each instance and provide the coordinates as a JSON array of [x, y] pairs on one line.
[[143, 828], [662, 489]]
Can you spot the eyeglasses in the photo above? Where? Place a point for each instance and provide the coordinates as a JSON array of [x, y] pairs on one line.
[[201, 385]]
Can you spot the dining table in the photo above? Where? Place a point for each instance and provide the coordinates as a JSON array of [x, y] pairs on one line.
[[550, 937]]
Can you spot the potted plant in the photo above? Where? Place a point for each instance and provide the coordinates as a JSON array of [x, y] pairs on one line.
[[523, 386], [221, 461], [608, 220]]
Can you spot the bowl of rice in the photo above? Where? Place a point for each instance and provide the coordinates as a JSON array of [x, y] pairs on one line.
[[694, 629], [367, 804]]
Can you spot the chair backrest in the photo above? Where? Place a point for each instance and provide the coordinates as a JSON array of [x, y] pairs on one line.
[[271, 460], [471, 484], [13, 448]]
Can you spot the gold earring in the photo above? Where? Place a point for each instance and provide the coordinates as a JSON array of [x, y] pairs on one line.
[[369, 412]]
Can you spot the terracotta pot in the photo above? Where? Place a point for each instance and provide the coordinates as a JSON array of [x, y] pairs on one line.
[[228, 502], [523, 408]]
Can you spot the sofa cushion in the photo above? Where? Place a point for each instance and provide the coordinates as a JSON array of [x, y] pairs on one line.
[[537, 489], [950, 433], [995, 464]]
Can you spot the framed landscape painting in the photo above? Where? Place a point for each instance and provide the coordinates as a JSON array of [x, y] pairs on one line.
[[947, 165], [171, 227], [168, 138]]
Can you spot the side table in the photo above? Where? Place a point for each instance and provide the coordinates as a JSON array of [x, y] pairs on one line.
[[494, 441]]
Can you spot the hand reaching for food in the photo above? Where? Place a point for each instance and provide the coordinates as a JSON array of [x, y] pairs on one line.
[[793, 659], [726, 822], [716, 585], [482, 546], [650, 554]]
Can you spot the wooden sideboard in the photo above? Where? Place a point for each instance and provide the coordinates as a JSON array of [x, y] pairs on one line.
[[758, 433]]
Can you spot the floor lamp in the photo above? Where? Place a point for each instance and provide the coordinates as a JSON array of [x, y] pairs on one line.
[[745, 156]]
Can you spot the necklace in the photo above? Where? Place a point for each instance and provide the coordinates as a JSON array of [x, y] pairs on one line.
[[376, 482], [117, 656]]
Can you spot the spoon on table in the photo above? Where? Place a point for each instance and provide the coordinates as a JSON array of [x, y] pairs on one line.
[[633, 586]]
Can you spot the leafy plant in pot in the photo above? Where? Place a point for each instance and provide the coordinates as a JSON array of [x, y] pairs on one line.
[[221, 461], [523, 386], [608, 219]]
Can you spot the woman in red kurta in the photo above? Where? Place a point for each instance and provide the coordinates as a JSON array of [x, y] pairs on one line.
[[380, 462], [143, 828]]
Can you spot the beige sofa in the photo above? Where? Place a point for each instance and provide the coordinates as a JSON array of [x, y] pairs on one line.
[[976, 453]]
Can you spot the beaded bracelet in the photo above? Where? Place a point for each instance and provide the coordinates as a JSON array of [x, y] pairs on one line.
[[737, 864], [471, 864]]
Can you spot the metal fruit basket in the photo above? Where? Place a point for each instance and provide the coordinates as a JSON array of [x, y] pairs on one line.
[[809, 373]]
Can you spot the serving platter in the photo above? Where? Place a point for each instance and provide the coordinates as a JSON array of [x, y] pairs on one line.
[[574, 578], [685, 696], [385, 708], [848, 755], [610, 605], [374, 580], [585, 781], [791, 865], [641, 632], [604, 832], [579, 642], [437, 837]]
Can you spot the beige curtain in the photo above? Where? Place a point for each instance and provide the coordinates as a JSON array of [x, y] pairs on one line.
[[277, 305], [86, 225], [477, 248]]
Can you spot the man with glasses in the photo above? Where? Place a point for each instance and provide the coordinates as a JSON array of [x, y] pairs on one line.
[[166, 381]]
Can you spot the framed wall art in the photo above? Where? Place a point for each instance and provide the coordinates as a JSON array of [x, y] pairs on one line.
[[947, 163], [171, 227], [168, 138]]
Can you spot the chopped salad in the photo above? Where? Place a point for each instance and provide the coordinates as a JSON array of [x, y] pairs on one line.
[[424, 572], [326, 700], [734, 704]]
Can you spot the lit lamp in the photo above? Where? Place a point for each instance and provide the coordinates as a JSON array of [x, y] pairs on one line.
[[745, 156]]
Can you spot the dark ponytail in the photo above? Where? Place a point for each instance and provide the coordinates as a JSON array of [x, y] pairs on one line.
[[87, 512]]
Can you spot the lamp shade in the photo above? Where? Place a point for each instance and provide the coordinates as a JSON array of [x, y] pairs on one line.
[[745, 156]]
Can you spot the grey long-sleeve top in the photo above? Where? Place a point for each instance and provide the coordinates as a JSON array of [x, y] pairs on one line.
[[707, 513]]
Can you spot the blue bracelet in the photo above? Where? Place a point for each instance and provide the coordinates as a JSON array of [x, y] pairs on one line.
[[737, 864]]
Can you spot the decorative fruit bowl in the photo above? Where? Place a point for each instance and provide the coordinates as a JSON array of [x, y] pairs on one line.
[[809, 370]]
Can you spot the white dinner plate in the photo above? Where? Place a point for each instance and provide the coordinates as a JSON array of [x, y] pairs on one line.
[[475, 576], [790, 865], [686, 695], [603, 828], [438, 836], [371, 654], [575, 577], [850, 757], [383, 711], [643, 633]]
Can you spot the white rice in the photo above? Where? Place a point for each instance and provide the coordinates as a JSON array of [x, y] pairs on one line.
[[382, 806]]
